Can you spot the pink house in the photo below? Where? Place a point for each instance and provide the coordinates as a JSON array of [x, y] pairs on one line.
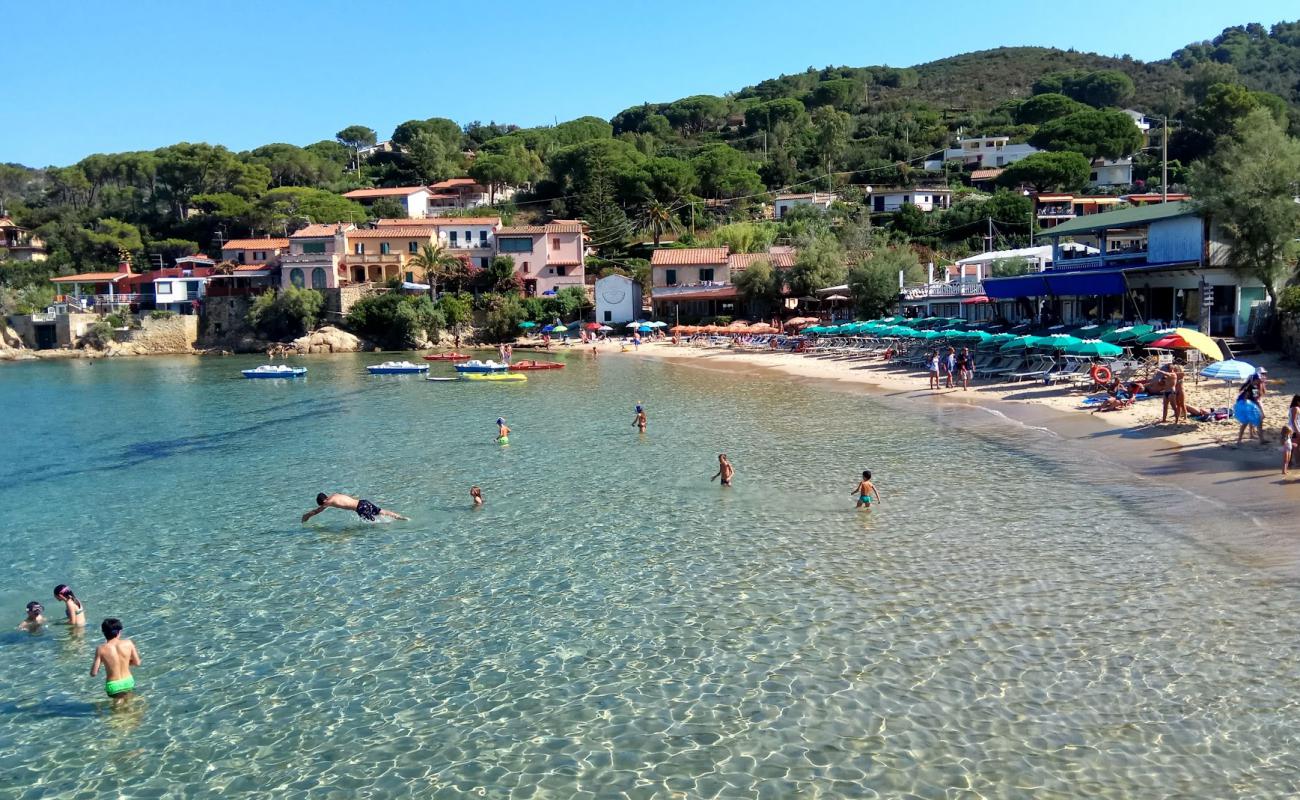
[[316, 258], [547, 257]]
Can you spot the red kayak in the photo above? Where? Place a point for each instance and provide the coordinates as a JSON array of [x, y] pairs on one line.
[[523, 366], [448, 357]]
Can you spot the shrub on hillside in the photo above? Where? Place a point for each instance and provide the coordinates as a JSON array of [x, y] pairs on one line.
[[1288, 300], [505, 312], [396, 321], [287, 314]]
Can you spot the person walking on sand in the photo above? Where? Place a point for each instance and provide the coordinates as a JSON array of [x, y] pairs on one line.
[[640, 421], [934, 369], [503, 432], [1248, 411], [364, 508], [76, 612], [950, 367], [866, 491], [725, 470], [116, 655], [965, 365], [477, 495]]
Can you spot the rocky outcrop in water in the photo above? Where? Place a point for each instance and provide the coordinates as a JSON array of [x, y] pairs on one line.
[[327, 340]]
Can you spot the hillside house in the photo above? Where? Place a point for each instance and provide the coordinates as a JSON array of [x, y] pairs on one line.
[[457, 194], [784, 202], [316, 258], [415, 199], [886, 200], [19, 243], [547, 257], [254, 252]]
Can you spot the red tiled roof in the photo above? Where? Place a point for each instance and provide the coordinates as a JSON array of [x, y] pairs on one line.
[[395, 191], [316, 230], [94, 277], [985, 174], [688, 256], [255, 244], [558, 226], [739, 262], [251, 268], [701, 293], [563, 263], [394, 232]]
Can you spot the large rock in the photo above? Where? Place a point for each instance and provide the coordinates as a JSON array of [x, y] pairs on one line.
[[327, 340]]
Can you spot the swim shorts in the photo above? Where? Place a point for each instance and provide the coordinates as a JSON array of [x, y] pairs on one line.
[[503, 440], [114, 688], [865, 499], [367, 510]]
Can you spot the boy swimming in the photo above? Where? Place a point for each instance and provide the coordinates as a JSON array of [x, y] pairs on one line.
[[503, 432], [364, 508], [640, 420], [35, 618], [866, 491], [117, 656]]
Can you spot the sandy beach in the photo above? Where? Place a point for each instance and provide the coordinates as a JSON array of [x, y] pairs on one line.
[[1184, 461]]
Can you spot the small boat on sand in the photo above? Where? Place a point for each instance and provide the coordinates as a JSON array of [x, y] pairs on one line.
[[397, 368], [274, 371], [482, 366], [447, 357], [522, 366], [494, 376]]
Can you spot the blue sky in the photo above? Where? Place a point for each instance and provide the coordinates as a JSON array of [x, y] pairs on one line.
[[84, 77]]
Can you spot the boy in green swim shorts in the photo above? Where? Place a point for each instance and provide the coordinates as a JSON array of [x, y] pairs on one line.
[[503, 431], [117, 656], [866, 491]]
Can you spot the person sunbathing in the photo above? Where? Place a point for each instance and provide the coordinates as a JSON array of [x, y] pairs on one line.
[[1120, 397]]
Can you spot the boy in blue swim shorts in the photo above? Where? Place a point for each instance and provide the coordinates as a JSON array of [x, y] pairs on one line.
[[866, 491]]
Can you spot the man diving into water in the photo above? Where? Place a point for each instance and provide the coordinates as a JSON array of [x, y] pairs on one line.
[[364, 508]]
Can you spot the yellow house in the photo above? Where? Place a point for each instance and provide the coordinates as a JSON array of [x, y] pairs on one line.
[[380, 254]]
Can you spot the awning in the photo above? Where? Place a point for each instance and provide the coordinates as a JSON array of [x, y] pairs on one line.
[[1074, 284], [1019, 286]]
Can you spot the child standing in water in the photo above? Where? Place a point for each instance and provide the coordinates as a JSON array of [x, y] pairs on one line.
[[117, 656], [35, 618], [503, 431], [71, 605], [1288, 446], [725, 470], [640, 420], [477, 494], [866, 491]]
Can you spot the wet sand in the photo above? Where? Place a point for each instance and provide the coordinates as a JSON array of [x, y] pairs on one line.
[[1193, 468]]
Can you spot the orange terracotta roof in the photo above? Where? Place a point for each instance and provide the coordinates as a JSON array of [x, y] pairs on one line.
[[251, 268], [394, 232], [255, 244], [316, 230], [689, 256], [450, 182], [563, 263], [94, 277], [530, 230], [985, 174], [395, 191], [739, 262]]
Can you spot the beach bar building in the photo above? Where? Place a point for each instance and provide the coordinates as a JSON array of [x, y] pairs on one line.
[[1152, 263]]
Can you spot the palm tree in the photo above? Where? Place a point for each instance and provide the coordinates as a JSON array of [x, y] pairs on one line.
[[437, 263], [658, 218]]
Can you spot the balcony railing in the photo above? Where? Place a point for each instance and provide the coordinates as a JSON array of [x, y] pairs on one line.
[[306, 258], [928, 290], [1109, 260]]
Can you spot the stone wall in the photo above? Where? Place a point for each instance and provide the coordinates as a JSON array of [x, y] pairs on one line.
[[1290, 329], [222, 320], [176, 334]]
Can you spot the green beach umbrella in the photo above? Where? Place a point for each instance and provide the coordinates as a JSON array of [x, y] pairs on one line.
[[1059, 342], [1126, 334], [978, 337], [559, 328], [1095, 347], [1003, 338], [528, 324]]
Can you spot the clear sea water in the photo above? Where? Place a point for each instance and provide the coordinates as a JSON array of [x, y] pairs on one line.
[[1016, 620]]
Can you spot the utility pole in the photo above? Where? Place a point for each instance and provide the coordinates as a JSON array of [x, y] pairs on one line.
[[989, 246], [1164, 160]]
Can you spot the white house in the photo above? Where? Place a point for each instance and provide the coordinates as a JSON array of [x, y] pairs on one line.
[[785, 202], [456, 194], [983, 152], [885, 200], [415, 199], [472, 237], [618, 300], [1111, 172], [178, 293]]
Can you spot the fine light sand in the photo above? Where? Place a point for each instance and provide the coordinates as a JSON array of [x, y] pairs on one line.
[[1202, 459]]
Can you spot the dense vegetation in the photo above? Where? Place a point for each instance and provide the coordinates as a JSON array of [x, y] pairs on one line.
[[691, 170]]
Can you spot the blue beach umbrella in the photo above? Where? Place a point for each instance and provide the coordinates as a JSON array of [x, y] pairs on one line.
[[1230, 370], [644, 329]]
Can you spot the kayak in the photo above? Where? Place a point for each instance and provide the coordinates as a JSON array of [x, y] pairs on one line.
[[481, 366], [274, 371], [494, 376], [520, 366], [396, 368], [447, 357]]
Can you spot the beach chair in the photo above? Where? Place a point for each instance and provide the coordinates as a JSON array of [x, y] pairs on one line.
[[1039, 367]]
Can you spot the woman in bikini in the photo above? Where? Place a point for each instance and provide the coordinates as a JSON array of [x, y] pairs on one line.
[[72, 606]]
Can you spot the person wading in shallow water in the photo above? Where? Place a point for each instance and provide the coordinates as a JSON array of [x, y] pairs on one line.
[[116, 655], [364, 508], [725, 470]]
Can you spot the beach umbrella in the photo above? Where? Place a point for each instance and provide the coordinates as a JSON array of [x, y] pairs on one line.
[[1127, 333], [633, 325], [644, 329], [1230, 370], [548, 328], [1153, 336], [559, 328], [604, 328], [1061, 341], [657, 324], [528, 324], [1188, 339], [1094, 347], [592, 326]]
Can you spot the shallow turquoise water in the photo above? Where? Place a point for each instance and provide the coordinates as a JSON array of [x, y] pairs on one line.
[[612, 624]]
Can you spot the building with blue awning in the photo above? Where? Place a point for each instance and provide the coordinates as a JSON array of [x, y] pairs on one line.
[[1153, 263]]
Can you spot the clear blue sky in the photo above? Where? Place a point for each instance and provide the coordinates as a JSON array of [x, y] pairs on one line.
[[85, 77]]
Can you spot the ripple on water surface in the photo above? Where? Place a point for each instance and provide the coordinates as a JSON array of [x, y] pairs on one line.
[[1007, 624]]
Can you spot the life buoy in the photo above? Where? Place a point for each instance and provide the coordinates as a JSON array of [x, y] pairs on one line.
[[1101, 375]]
